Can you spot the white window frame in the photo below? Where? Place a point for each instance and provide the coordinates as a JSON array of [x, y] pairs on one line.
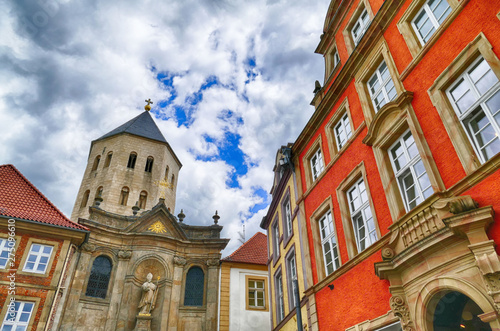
[[427, 10], [256, 290], [328, 236], [336, 59], [406, 166], [15, 322], [383, 86], [342, 127], [280, 300], [361, 212], [38, 257], [4, 252], [363, 26], [477, 108], [288, 217], [317, 164], [292, 273], [276, 239]]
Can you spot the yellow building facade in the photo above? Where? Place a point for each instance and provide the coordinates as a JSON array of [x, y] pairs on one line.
[[287, 249]]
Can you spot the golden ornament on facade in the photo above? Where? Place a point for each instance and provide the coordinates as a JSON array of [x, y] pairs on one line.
[[157, 227], [163, 185]]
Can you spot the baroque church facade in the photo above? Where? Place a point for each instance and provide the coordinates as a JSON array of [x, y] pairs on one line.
[[141, 268]]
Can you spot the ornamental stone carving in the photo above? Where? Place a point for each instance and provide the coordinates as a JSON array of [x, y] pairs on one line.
[[213, 262], [400, 310], [87, 247], [387, 253], [124, 255], [179, 261]]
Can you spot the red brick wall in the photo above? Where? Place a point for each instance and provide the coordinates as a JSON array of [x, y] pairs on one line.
[[27, 279]]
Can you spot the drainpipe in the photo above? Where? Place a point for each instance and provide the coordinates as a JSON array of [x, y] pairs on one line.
[[59, 286]]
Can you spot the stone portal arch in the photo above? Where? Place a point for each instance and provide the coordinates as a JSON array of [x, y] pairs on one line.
[[444, 294]]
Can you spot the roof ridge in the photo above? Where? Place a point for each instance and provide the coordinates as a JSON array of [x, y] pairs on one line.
[[227, 258], [34, 188]]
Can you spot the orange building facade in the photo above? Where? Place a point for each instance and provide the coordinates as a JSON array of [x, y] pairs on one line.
[[398, 167]]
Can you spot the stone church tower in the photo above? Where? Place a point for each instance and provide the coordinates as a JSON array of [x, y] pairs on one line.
[[130, 165], [141, 268]]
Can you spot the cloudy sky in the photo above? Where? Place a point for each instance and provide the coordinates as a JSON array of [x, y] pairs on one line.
[[231, 81]]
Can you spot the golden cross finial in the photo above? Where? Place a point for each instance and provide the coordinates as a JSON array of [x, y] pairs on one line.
[[148, 107]]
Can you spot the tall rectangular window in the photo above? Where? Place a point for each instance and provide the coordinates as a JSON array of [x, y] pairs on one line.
[[256, 294], [317, 165], [4, 252], [381, 87], [292, 275], [288, 217], [475, 97], [361, 215], [38, 258], [342, 131], [276, 239], [429, 18], [359, 28], [19, 319], [329, 243], [410, 172], [280, 303]]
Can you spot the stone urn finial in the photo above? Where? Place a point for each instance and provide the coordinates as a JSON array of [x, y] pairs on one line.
[[135, 208], [216, 218], [181, 216], [97, 200]]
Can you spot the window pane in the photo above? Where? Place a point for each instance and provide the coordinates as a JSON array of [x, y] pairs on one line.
[[482, 76], [424, 26], [494, 106], [441, 9], [35, 248]]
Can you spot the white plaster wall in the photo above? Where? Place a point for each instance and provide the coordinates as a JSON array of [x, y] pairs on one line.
[[241, 319]]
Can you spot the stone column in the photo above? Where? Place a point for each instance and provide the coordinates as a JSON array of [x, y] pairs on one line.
[[212, 294], [175, 297], [70, 313], [117, 291]]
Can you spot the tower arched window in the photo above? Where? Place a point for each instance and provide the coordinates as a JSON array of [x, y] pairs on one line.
[[149, 164], [85, 199], [96, 162], [166, 173], [100, 274], [195, 285], [172, 181], [131, 160], [143, 197], [108, 159], [124, 196], [98, 192]]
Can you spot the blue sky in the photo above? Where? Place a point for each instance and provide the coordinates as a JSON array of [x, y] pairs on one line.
[[231, 82]]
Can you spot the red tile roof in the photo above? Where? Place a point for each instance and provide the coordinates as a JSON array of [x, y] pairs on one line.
[[253, 251], [21, 199]]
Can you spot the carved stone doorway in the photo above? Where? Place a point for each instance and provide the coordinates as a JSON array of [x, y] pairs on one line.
[[452, 310]]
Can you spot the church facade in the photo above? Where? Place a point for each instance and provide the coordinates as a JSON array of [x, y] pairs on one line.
[[142, 268]]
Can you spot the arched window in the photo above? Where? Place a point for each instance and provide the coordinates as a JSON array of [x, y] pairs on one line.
[[96, 162], [143, 197], [166, 173], [100, 274], [98, 192], [108, 159], [131, 160], [195, 284], [149, 164], [85, 199], [124, 196], [172, 181]]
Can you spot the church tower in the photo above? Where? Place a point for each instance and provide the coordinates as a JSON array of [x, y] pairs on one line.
[[132, 165]]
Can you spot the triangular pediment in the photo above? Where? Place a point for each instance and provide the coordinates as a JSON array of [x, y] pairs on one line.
[[157, 221]]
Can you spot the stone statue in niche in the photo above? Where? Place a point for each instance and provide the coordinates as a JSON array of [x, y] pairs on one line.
[[147, 303]]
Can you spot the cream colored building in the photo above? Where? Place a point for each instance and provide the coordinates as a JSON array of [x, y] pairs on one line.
[[126, 200]]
